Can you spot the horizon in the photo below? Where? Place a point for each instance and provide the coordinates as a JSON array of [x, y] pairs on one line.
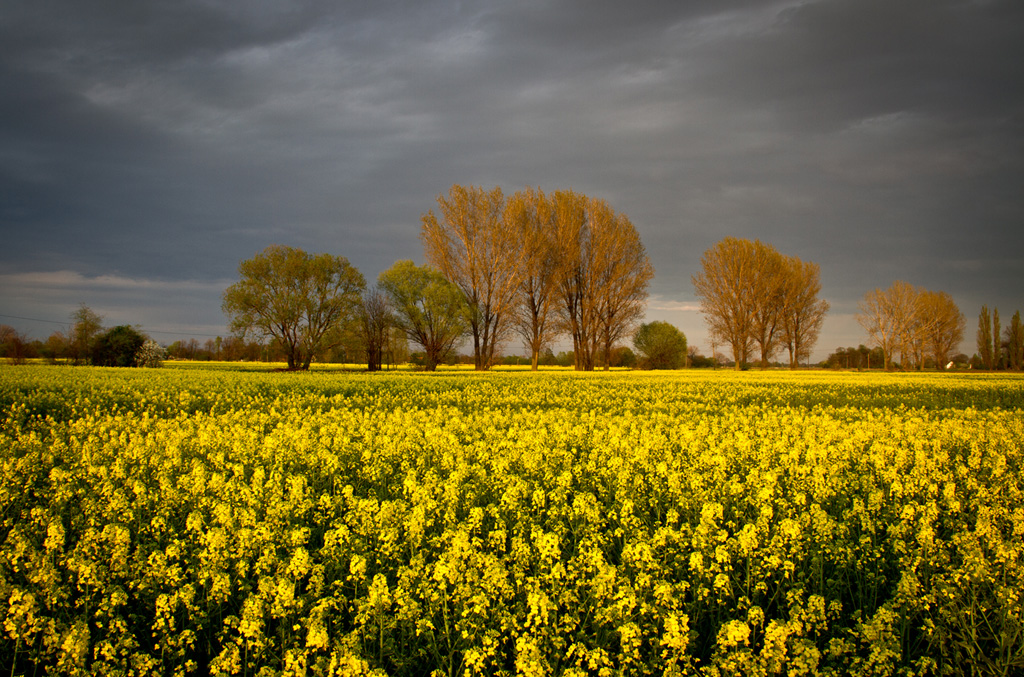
[[147, 151]]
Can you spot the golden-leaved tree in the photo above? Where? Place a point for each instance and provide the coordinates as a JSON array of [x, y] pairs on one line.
[[803, 312], [751, 295], [470, 243], [540, 265], [915, 321], [529, 214], [942, 325], [603, 275]]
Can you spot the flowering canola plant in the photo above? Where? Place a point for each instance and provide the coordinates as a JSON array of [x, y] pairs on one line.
[[232, 522]]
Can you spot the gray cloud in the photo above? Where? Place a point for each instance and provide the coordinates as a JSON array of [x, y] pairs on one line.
[[166, 141]]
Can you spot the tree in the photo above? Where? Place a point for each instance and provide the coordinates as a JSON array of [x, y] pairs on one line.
[[768, 285], [574, 281], [661, 346], [374, 322], [297, 298], [623, 273], [997, 348], [984, 338], [56, 346], [529, 214], [476, 249], [429, 309], [150, 354], [802, 311], [889, 318], [603, 274], [726, 297], [942, 325], [85, 326], [13, 344], [1015, 343], [117, 347]]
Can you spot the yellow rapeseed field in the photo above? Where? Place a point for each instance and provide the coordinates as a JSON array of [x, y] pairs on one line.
[[241, 522]]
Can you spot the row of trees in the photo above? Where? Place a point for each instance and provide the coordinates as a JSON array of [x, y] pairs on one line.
[[533, 265], [540, 265], [753, 296], [1000, 351], [85, 342], [913, 321]]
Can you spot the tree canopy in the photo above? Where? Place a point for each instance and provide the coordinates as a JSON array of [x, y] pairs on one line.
[[297, 298], [751, 295], [429, 309], [117, 347], [914, 321], [477, 251], [661, 346]]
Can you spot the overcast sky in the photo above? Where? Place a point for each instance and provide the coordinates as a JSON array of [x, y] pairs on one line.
[[146, 147]]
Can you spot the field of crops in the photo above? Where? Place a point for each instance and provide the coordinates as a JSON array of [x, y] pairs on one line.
[[193, 521]]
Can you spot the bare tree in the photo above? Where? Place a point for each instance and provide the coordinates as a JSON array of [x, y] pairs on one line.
[[727, 300], [942, 325], [14, 345], [751, 295], [574, 289], [803, 312], [768, 286], [529, 214], [889, 318], [475, 250], [602, 278], [622, 271], [374, 321]]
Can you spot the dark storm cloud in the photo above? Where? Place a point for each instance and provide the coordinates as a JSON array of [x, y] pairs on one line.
[[159, 143]]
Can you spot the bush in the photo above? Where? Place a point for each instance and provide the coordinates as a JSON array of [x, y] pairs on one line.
[[661, 346], [117, 347], [150, 355]]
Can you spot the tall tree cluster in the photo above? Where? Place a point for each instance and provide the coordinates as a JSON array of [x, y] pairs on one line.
[[916, 322], [540, 266], [754, 298], [1000, 351]]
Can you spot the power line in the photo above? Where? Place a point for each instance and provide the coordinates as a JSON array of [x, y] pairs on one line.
[[150, 331], [31, 319]]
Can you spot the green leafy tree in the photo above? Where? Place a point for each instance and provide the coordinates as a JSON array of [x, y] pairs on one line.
[[299, 299], [997, 348], [86, 325], [117, 347], [1015, 342], [985, 338], [661, 346], [430, 310]]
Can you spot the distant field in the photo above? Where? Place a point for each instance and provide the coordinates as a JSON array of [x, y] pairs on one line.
[[215, 518]]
